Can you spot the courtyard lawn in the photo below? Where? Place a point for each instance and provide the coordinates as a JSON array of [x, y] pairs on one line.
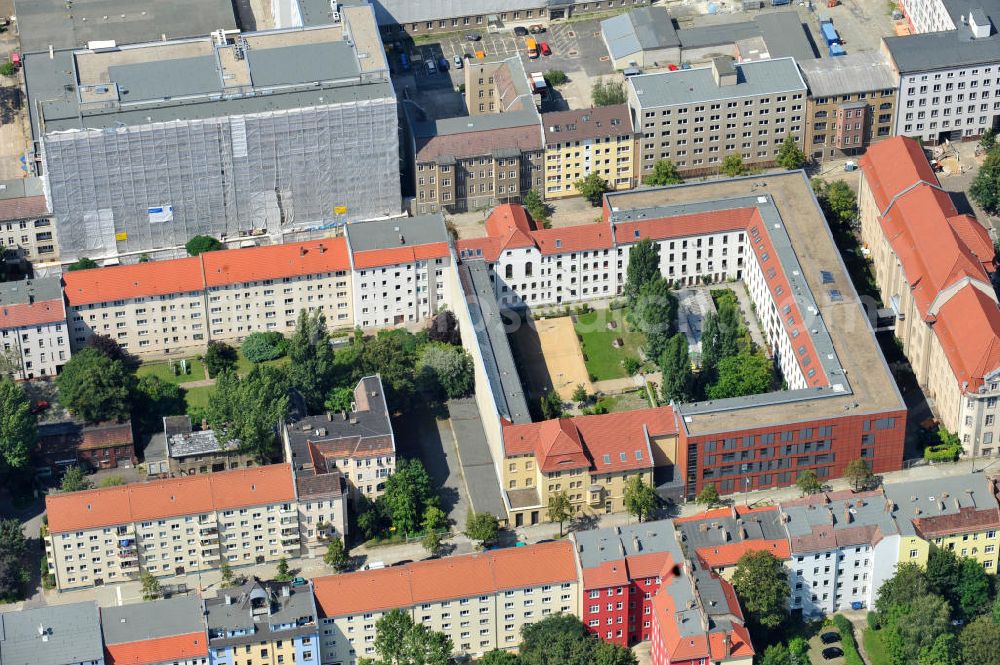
[[198, 397], [165, 371], [603, 360], [243, 366], [874, 649]]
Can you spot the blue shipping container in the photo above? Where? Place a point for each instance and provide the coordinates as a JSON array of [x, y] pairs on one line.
[[780, 2], [829, 33]]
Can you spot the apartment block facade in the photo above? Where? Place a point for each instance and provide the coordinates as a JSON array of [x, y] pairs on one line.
[[34, 337], [851, 104], [172, 527], [27, 228], [480, 601], [933, 267], [163, 632], [579, 143], [696, 117]]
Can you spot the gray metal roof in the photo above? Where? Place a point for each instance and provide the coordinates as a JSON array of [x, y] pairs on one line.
[[261, 606], [763, 525], [390, 12], [18, 188], [191, 444], [41, 23], [52, 635], [785, 35], [703, 36], [943, 495], [395, 233], [312, 62], [944, 50], [688, 86], [152, 620], [599, 546], [852, 73], [479, 123], [30, 290], [166, 78], [642, 29]]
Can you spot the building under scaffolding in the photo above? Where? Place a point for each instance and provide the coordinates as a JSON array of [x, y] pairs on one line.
[[233, 135]]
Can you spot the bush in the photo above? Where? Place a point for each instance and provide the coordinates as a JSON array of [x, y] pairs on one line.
[[942, 453], [200, 244], [260, 347], [556, 77], [7, 69], [847, 642]]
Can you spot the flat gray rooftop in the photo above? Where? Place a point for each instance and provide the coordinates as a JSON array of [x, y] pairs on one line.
[[598, 546], [27, 291], [152, 620], [687, 86], [844, 75], [944, 495], [643, 28], [41, 23], [869, 386], [477, 463], [72, 635], [930, 51], [395, 233]]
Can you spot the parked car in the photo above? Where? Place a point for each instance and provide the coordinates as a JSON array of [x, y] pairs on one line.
[[299, 581], [458, 62], [377, 565], [672, 68], [521, 31], [403, 562], [443, 63], [430, 67], [404, 62], [544, 46], [830, 637], [536, 28], [832, 652], [473, 36]]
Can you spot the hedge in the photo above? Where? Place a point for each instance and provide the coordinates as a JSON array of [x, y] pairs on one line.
[[847, 642], [942, 453]]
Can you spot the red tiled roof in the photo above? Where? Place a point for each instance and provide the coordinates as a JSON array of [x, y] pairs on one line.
[[33, 314], [892, 165], [172, 497], [609, 573], [584, 441], [250, 264], [463, 576], [106, 435], [23, 208], [157, 650], [684, 225], [967, 328], [966, 520], [720, 556], [374, 258], [153, 278], [527, 138]]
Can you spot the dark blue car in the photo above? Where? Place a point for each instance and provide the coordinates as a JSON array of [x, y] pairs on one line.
[[443, 64]]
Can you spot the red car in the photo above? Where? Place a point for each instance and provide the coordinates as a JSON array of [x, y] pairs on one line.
[[544, 46], [672, 68]]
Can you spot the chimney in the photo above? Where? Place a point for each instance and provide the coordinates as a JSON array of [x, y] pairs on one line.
[[302, 251], [728, 644], [402, 239], [889, 505], [343, 414], [329, 416], [848, 518], [635, 544], [723, 71], [322, 248], [229, 599], [286, 591]]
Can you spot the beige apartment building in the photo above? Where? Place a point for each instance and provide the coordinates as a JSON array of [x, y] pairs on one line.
[[480, 601], [497, 87], [579, 143], [34, 340], [175, 307], [172, 527], [696, 117], [933, 267], [852, 103], [590, 458]]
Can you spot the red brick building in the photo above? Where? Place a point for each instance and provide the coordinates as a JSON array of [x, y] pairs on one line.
[[70, 442]]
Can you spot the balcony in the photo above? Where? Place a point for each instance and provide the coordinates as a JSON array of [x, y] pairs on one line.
[[208, 529]]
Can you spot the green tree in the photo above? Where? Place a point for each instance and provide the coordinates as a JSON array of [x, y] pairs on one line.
[[985, 188], [498, 657], [643, 267], [82, 264], [18, 429], [798, 647], [790, 156], [444, 328], [979, 639], [95, 387], [580, 393], [606, 653], [154, 399], [945, 650], [654, 313], [431, 542], [858, 474], [400, 641], [732, 165], [248, 409], [742, 374], [708, 496], [408, 493], [283, 574], [532, 202], [13, 579], [942, 573], [988, 140], [710, 355], [228, 578], [392, 354], [631, 365], [8, 69], [607, 93], [908, 582], [12, 542], [664, 173], [808, 482], [481, 527], [592, 188], [973, 588], [339, 400], [555, 640], [678, 379], [447, 367], [640, 497], [310, 371], [551, 405], [259, 347], [150, 587], [114, 351], [219, 357], [556, 77], [839, 202], [199, 244], [434, 519], [337, 556], [776, 654], [559, 509], [74, 480], [916, 625], [761, 584]]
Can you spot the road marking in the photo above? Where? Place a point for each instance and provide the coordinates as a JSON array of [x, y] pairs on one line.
[[118, 592]]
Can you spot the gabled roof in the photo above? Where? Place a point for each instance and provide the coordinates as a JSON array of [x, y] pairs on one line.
[[31, 302], [23, 208], [157, 650], [250, 264], [153, 278]]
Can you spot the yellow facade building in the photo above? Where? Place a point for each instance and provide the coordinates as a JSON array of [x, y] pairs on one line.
[[588, 141]]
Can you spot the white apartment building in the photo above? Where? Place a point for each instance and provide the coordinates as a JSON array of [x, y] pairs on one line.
[[400, 269], [27, 229], [928, 15], [843, 547], [949, 80], [480, 601], [33, 334], [172, 527]]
